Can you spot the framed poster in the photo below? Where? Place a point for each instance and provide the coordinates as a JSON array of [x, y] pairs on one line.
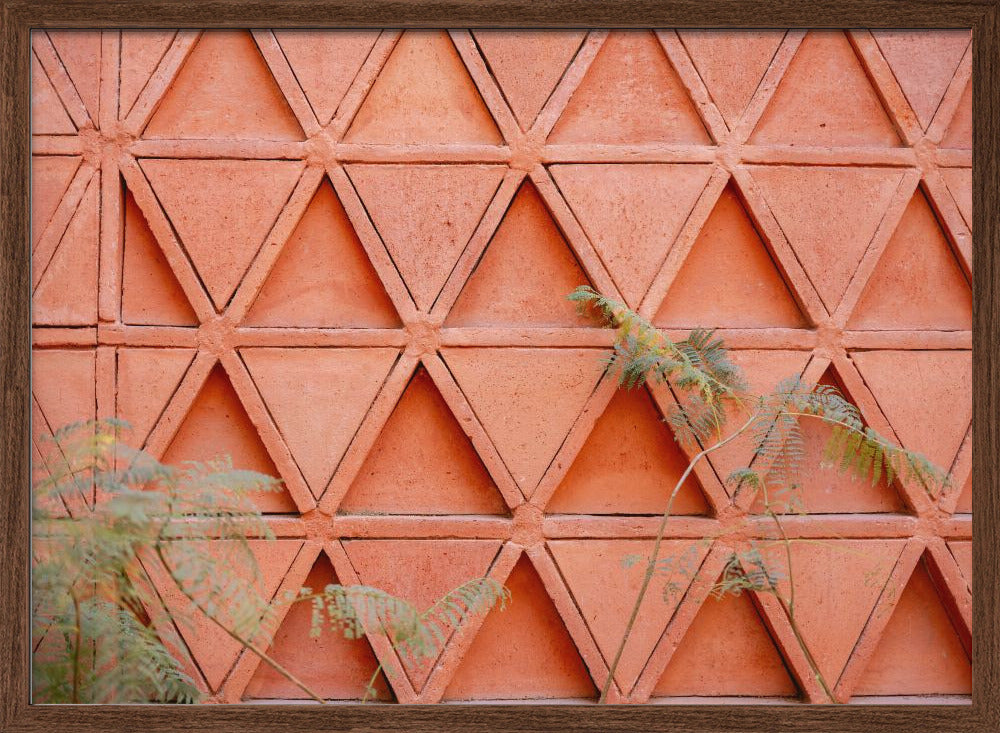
[[334, 242]]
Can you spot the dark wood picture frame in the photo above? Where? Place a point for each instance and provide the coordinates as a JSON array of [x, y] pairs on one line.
[[19, 17]]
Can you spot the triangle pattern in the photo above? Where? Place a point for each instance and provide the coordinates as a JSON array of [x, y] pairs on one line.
[[222, 210], [632, 213], [527, 65], [764, 370], [959, 182], [523, 652], [526, 399], [335, 667], [325, 64], [727, 651], [215, 652], [323, 277], [919, 653], [217, 425], [923, 64], [912, 386], [834, 579], [424, 94], [731, 84], [421, 572], [80, 54], [962, 551], [142, 51], [67, 293], [605, 592], [826, 489], [50, 177], [423, 463], [631, 94], [964, 505], [917, 284], [729, 251], [147, 379], [426, 214], [318, 398], [224, 90], [151, 294], [63, 384], [48, 116], [825, 99], [629, 464], [959, 133], [829, 216], [524, 275]]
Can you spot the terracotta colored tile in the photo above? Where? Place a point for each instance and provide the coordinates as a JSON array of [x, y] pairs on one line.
[[959, 133], [62, 383], [959, 182], [146, 380], [80, 54], [963, 555], [48, 115], [50, 177], [141, 53]]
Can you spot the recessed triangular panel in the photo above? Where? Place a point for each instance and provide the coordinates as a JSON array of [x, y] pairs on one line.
[[825, 489], [323, 277], [523, 652], [917, 284], [729, 279], [222, 210], [420, 572], [527, 65], [727, 651], [925, 395], [629, 464], [80, 54], [829, 216], [527, 399], [318, 398], [962, 551], [923, 63], [141, 52], [325, 63], [834, 579], [423, 463], [214, 651], [67, 293], [424, 94], [426, 214], [224, 90], [62, 383], [50, 177], [825, 99], [48, 115], [731, 84], [332, 666], [147, 379], [632, 213], [920, 652], [959, 182], [218, 425], [631, 94], [964, 505], [959, 133], [151, 295], [605, 577], [525, 274]]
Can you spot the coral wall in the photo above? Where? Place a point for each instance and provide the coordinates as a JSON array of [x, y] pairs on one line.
[[342, 257]]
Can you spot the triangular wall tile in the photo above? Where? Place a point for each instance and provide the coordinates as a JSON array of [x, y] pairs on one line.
[[222, 210], [147, 379], [632, 213], [959, 134], [422, 463], [323, 277], [631, 94], [63, 384], [50, 177], [525, 274], [80, 54], [959, 182], [48, 115], [917, 284], [629, 464], [224, 90], [749, 290], [523, 652], [141, 53], [424, 94], [825, 99], [962, 551]]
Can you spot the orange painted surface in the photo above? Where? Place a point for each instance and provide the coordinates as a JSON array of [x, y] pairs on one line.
[[341, 258]]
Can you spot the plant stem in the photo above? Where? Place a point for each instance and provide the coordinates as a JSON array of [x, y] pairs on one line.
[[244, 642], [370, 687], [76, 649], [651, 564]]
